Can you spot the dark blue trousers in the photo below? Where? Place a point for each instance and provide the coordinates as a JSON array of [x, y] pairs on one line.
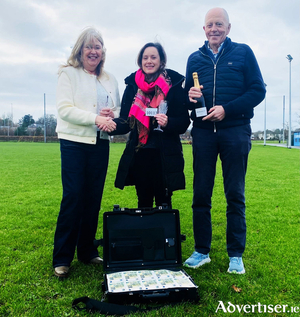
[[83, 171], [233, 146]]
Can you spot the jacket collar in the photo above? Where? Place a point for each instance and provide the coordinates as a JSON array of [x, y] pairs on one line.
[[205, 50]]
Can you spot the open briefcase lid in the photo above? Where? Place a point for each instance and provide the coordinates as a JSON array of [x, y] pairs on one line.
[[141, 239]]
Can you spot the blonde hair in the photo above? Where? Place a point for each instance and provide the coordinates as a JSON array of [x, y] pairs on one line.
[[88, 36]]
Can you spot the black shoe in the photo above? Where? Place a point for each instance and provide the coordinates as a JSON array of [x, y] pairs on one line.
[[96, 260]]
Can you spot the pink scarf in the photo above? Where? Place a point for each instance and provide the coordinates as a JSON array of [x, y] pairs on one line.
[[143, 99]]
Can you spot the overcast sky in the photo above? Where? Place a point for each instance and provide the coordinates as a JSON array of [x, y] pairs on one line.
[[36, 36]]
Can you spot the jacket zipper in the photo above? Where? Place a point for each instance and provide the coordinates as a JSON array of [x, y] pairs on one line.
[[215, 75], [214, 91]]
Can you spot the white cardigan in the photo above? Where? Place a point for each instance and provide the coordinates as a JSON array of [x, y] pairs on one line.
[[76, 102]]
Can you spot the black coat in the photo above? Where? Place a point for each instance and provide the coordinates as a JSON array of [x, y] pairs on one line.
[[168, 141]]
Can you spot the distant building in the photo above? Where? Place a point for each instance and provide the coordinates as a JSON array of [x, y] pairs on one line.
[[297, 138]]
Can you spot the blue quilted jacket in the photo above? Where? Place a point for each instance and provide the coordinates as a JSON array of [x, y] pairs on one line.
[[233, 80]]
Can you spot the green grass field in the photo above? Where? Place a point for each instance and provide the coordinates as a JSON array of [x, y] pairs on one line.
[[30, 190]]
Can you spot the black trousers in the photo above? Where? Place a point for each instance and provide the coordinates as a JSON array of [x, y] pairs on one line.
[[83, 169], [233, 146], [149, 178]]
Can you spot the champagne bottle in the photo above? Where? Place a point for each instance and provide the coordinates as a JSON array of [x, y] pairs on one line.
[[200, 108]]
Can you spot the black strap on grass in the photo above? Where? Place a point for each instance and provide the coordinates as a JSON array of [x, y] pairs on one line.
[[93, 305]]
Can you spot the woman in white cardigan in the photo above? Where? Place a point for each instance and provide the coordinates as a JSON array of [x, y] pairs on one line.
[[87, 101]]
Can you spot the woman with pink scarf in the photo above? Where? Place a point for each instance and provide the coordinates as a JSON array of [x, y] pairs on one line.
[[152, 160]]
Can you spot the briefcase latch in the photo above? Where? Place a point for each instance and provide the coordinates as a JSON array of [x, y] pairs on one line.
[[117, 208]]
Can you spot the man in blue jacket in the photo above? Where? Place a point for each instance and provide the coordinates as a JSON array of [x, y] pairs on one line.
[[232, 87]]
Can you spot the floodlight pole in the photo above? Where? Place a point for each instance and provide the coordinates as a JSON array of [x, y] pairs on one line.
[[290, 58], [45, 140], [12, 115], [283, 119], [265, 120]]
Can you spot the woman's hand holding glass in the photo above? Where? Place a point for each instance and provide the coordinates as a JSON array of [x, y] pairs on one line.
[[105, 124], [161, 119]]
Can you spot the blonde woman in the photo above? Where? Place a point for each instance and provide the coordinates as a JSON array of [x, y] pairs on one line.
[[87, 101]]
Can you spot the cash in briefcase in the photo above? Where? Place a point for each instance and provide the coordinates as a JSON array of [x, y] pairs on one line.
[[142, 256]]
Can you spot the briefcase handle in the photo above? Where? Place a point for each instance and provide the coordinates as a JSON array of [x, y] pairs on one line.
[[146, 209], [155, 295], [134, 211]]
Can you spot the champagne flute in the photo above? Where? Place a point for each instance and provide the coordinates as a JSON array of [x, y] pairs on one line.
[[103, 104], [162, 108]]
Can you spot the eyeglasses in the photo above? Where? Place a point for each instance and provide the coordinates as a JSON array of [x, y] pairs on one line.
[[91, 47]]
